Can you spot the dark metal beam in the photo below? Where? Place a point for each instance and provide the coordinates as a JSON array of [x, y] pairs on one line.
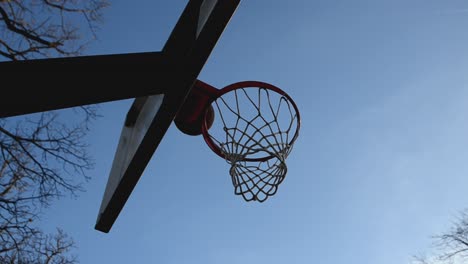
[[48, 84]]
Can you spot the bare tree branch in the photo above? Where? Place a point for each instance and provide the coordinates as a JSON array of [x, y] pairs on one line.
[[13, 26], [46, 28], [41, 158], [452, 246]]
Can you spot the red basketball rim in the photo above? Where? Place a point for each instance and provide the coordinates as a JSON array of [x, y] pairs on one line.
[[248, 84]]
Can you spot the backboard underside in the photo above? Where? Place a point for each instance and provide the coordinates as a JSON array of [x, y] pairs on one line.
[[187, 50]]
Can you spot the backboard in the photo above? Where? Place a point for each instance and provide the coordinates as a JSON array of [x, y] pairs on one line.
[[187, 49]]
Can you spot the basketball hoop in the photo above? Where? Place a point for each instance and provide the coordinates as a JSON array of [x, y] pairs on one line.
[[252, 125]]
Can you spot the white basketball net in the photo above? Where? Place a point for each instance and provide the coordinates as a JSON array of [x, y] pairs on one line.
[[255, 129]]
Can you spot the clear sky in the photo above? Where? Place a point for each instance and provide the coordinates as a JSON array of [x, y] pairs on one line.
[[380, 165]]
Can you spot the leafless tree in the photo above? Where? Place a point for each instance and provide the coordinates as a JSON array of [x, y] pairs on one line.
[[450, 247], [47, 28], [42, 157], [40, 248]]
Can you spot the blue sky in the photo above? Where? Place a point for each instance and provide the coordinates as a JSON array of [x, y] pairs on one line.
[[380, 164]]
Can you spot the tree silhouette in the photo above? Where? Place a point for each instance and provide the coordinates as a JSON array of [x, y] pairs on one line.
[[451, 247], [42, 157], [31, 29]]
